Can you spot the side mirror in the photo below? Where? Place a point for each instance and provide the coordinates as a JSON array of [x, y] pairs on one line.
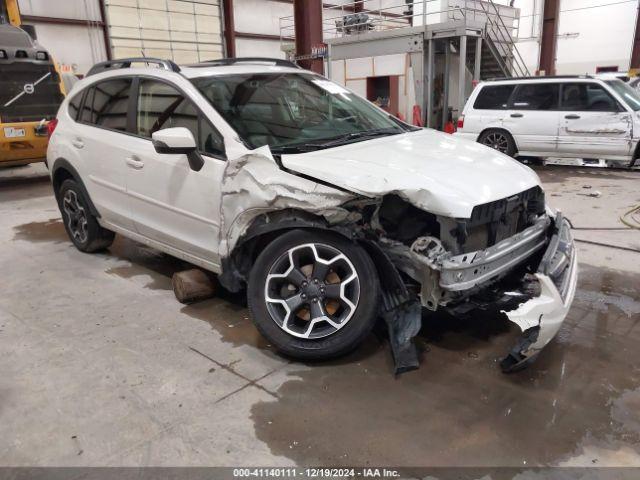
[[176, 141]]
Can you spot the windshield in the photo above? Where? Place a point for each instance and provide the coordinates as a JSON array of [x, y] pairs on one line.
[[286, 109], [630, 96]]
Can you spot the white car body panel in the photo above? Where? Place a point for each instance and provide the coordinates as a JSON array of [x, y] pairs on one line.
[[172, 204], [532, 131], [598, 134], [432, 170]]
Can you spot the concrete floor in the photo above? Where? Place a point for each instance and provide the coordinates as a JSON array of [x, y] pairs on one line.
[[100, 365]]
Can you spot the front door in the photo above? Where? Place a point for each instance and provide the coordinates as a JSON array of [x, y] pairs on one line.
[[170, 203], [593, 123], [532, 117]]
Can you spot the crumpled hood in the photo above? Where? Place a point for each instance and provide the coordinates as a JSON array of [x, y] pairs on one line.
[[434, 171]]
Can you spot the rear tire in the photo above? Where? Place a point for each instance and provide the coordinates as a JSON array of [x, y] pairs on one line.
[[82, 227], [500, 140], [312, 320]]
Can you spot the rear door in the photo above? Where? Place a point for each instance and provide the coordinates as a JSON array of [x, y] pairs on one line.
[[489, 108], [532, 117], [171, 203], [102, 142], [593, 123]]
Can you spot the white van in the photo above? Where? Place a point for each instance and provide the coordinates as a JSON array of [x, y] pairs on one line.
[[573, 117]]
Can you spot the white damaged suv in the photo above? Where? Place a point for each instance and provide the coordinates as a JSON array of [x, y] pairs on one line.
[[331, 212]]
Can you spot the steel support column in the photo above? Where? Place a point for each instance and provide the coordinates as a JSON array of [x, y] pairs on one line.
[[635, 52], [477, 63], [462, 74], [428, 103], [308, 26], [445, 86], [105, 30], [548, 43], [229, 28]]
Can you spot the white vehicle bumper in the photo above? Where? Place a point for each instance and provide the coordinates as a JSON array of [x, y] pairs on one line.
[[541, 317]]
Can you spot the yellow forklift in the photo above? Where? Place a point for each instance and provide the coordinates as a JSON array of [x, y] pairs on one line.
[[31, 90]]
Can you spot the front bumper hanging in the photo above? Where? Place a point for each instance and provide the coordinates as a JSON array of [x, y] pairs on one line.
[[541, 317]]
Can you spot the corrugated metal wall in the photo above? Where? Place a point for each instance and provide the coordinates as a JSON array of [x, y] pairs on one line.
[[76, 47], [183, 30]]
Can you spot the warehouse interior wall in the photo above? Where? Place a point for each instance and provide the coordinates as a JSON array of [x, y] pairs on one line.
[[185, 31], [86, 36]]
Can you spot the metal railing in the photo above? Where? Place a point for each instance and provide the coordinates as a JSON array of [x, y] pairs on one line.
[[498, 30], [353, 18]]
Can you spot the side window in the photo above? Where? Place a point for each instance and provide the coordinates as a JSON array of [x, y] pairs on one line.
[[86, 115], [162, 106], [536, 96], [107, 103], [587, 97], [74, 105], [493, 97]]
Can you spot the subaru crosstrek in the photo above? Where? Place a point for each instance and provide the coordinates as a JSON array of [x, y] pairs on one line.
[[328, 210]]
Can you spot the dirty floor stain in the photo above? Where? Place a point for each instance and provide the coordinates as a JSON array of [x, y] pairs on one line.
[[51, 230]]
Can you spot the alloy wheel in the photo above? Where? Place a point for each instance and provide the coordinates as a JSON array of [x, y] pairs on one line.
[[312, 291], [497, 141], [76, 216]]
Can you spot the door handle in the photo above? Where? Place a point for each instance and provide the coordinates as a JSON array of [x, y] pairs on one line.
[[134, 162], [516, 115], [78, 143], [572, 117]]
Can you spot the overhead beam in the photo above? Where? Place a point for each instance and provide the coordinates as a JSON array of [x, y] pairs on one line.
[[261, 36], [549, 41], [229, 28], [308, 27], [61, 21]]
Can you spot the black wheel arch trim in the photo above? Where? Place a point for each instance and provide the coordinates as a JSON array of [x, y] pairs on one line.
[[265, 228], [63, 164]]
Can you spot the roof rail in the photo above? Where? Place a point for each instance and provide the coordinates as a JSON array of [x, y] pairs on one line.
[[538, 77], [233, 61], [126, 63]]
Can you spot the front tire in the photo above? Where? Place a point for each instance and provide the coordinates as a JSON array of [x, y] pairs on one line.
[[313, 295], [82, 227], [500, 140]]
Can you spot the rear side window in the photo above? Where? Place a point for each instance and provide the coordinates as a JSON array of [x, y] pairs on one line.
[[162, 106], [74, 105], [536, 96], [587, 97], [493, 97], [107, 103]]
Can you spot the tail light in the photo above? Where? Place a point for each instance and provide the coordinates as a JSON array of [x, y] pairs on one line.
[[460, 122], [51, 126]]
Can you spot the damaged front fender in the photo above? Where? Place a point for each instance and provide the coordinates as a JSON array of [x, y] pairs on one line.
[[254, 184]]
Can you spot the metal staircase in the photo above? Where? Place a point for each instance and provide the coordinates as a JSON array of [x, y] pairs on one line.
[[500, 55]]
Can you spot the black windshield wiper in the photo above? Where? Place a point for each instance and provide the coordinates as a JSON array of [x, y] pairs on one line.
[[349, 137], [298, 148], [338, 140]]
